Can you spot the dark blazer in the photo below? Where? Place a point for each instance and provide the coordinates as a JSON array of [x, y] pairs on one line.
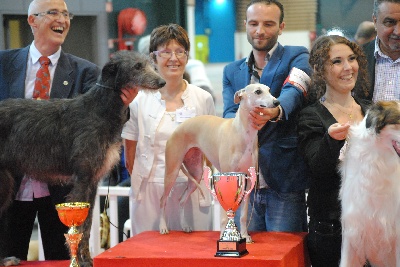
[[73, 76], [369, 49], [279, 159], [321, 153]]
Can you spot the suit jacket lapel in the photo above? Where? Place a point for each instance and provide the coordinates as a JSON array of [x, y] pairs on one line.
[[369, 51], [16, 77], [272, 66], [62, 82], [242, 77]]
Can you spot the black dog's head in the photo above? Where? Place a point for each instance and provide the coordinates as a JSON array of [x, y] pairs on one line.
[[128, 69], [384, 117]]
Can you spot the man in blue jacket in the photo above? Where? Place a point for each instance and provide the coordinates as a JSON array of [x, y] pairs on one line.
[[278, 201]]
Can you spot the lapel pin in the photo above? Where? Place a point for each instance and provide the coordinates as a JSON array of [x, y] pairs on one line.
[[65, 83]]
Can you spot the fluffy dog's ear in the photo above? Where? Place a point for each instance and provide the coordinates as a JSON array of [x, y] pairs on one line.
[[382, 114], [153, 57], [238, 96]]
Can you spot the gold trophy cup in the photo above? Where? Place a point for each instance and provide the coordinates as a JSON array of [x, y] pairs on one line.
[[230, 188], [73, 214]]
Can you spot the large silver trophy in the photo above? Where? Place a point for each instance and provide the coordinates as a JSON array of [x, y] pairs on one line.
[[230, 188]]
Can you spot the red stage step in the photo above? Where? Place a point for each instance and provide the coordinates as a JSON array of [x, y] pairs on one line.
[[197, 249]]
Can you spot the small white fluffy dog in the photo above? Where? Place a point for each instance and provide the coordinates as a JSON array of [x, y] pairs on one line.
[[370, 192]]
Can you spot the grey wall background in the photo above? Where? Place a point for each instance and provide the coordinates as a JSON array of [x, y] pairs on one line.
[[344, 14]]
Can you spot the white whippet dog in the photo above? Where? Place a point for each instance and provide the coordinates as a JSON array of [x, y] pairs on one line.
[[231, 145]]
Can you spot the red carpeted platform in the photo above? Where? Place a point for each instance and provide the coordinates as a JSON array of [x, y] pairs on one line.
[[197, 249], [45, 263]]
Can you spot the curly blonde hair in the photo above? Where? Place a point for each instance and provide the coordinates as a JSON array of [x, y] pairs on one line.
[[319, 55]]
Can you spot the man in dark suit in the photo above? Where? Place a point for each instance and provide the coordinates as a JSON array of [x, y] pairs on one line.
[[383, 53], [279, 199], [69, 76]]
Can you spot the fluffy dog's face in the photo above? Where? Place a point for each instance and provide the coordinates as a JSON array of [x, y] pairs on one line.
[[384, 118], [256, 95]]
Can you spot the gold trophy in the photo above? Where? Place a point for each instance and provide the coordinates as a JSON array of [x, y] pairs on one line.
[[230, 188], [73, 214]]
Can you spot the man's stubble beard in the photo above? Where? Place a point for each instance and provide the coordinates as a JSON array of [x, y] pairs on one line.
[[267, 47]]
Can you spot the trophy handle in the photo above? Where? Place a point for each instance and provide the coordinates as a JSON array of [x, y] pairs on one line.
[[207, 181], [253, 179]]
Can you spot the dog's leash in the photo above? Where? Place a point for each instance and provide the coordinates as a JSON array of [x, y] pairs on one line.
[[105, 222]]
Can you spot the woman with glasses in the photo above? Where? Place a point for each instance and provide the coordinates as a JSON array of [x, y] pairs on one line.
[[154, 116]]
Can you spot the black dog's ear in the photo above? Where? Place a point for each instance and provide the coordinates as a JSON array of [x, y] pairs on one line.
[[109, 70], [138, 66]]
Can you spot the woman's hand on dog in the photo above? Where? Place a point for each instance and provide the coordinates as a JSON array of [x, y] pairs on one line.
[[128, 94], [339, 131]]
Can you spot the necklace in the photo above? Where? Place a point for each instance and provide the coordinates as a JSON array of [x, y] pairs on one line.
[[350, 115], [171, 115]]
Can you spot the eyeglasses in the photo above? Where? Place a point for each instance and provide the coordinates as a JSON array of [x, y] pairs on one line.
[[168, 54], [56, 14]]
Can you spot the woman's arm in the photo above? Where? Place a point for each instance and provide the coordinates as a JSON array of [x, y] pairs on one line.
[[130, 151]]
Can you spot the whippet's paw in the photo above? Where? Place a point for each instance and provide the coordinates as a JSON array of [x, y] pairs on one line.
[[187, 229], [10, 261], [185, 226], [249, 240], [163, 227], [164, 231]]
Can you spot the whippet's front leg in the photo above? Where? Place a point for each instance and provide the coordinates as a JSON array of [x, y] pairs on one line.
[[163, 223], [243, 220]]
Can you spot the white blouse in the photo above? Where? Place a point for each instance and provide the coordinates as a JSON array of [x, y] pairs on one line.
[[147, 111]]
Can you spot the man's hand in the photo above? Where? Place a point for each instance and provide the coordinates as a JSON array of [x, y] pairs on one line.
[[260, 116], [128, 94]]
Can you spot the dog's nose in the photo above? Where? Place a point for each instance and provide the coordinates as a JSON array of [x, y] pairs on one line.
[[276, 102], [161, 82]]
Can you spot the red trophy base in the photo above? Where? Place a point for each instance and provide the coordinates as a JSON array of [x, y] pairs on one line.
[[231, 248]]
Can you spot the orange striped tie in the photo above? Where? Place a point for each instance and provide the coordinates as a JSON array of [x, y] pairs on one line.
[[42, 82]]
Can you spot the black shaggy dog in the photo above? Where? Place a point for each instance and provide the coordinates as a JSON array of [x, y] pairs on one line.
[[71, 141]]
